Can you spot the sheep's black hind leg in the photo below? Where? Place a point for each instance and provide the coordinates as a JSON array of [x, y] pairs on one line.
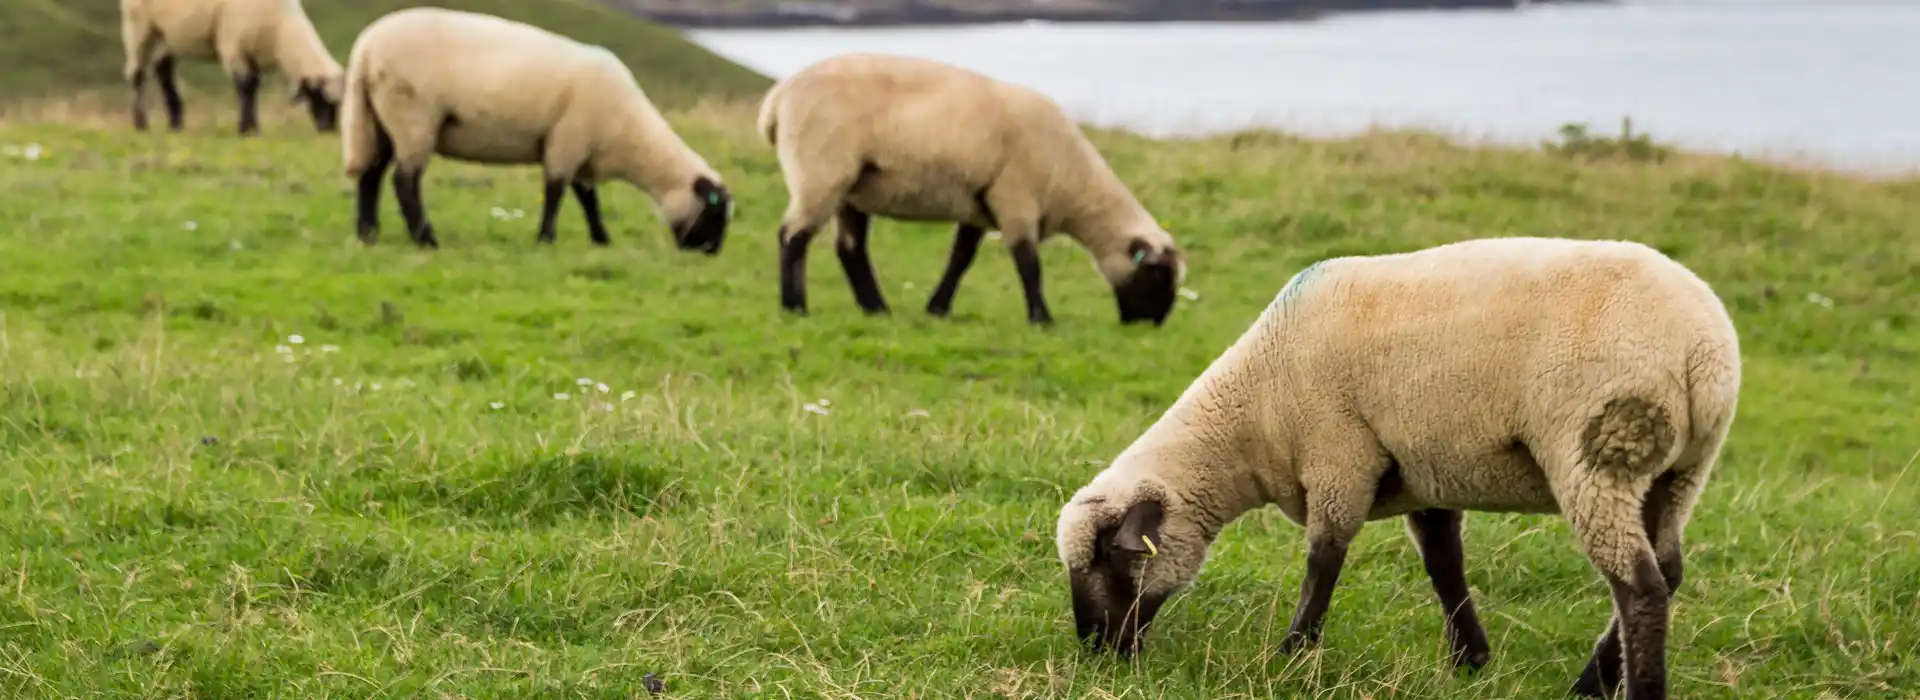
[[852, 248], [367, 209], [138, 105], [1437, 533], [1602, 674], [590, 204], [966, 242], [550, 208], [170, 92], [247, 86], [406, 188], [1026, 259], [793, 269]]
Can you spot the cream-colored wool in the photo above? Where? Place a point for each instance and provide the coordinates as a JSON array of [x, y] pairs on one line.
[[1527, 375], [245, 36], [485, 89], [920, 140]]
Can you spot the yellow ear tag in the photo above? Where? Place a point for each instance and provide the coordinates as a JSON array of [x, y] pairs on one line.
[[1152, 551]]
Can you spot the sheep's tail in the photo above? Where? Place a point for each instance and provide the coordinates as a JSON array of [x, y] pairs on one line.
[[359, 126], [769, 121]]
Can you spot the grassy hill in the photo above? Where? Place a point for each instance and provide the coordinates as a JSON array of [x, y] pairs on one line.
[[53, 48], [244, 456]]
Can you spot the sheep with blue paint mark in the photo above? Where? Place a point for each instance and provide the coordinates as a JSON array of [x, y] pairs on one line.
[[1596, 380]]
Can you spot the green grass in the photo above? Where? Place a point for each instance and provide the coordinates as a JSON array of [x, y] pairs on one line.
[[55, 49], [195, 507]]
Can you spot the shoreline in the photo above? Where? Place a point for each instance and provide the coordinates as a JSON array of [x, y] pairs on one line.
[[817, 15]]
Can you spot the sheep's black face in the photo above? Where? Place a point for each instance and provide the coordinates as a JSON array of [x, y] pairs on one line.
[[707, 228], [1109, 611], [1149, 292], [325, 112]]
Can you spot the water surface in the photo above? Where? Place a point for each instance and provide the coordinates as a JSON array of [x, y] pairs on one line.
[[1827, 81]]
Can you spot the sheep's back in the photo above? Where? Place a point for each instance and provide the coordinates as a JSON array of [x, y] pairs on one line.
[[1469, 360], [496, 80]]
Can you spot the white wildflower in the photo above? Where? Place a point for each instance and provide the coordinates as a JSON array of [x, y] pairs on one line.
[[497, 405], [602, 387], [627, 395], [375, 386], [917, 413], [282, 349], [296, 339], [825, 402], [561, 396], [329, 348], [191, 225], [1821, 299], [583, 381], [1189, 294], [817, 409], [32, 152]]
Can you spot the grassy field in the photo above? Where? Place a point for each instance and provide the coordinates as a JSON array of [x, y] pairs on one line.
[[246, 457], [56, 49]]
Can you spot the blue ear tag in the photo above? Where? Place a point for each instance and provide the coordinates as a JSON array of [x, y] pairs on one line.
[[713, 197], [1139, 255]]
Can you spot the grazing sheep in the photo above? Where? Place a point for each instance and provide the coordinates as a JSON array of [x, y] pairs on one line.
[[246, 36], [1594, 379], [425, 80], [860, 135]]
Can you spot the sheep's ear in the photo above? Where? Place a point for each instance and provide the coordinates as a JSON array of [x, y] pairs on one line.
[[1143, 253], [1140, 525]]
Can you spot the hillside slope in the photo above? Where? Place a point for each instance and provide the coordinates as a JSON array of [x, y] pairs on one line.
[[52, 48]]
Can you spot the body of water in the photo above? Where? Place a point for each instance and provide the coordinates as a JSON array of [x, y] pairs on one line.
[[1830, 81]]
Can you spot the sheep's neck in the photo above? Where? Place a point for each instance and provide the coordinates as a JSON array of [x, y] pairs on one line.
[[1215, 436], [1105, 223], [294, 48], [638, 156]]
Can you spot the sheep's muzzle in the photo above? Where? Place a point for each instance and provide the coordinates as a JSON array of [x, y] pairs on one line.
[[1107, 614]]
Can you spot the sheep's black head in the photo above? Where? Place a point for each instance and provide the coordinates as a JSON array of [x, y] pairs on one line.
[[1148, 289], [322, 97], [1127, 549], [705, 227], [1109, 609]]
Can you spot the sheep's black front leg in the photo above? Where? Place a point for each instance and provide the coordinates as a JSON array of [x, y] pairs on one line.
[[852, 247], [793, 269], [170, 92], [966, 242], [367, 210], [1325, 555], [1437, 532], [1026, 259], [550, 208], [590, 204], [247, 86], [406, 188]]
